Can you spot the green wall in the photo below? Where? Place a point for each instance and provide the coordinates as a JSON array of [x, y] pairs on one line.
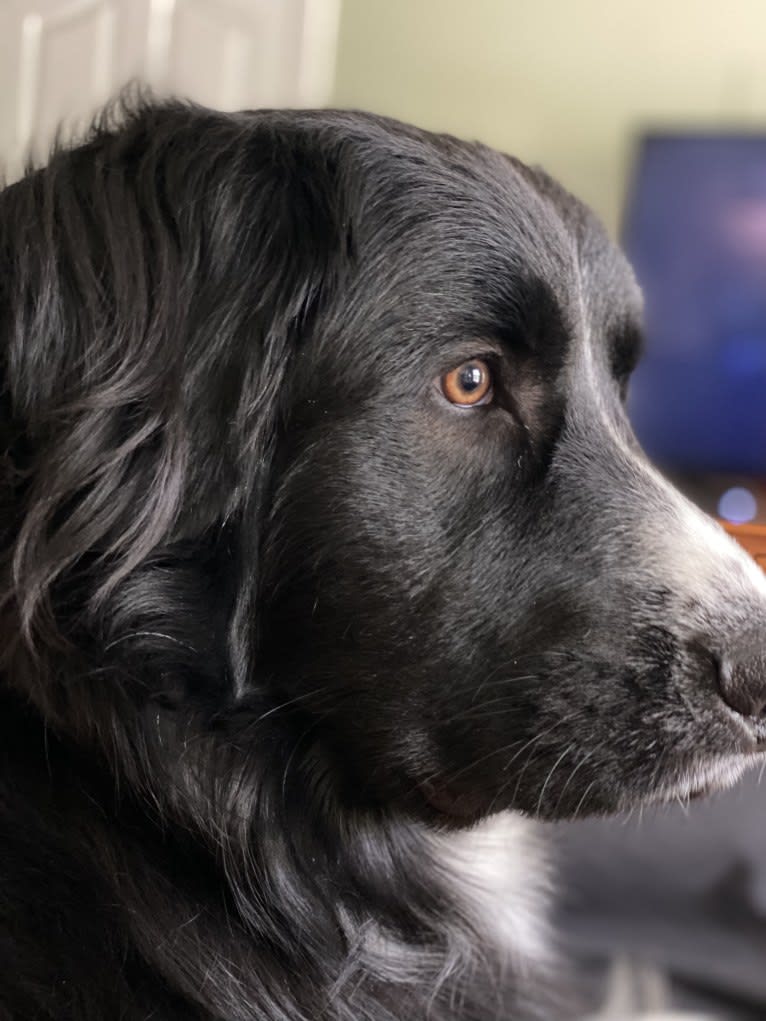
[[563, 83]]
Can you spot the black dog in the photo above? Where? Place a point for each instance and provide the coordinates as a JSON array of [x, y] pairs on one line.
[[326, 544]]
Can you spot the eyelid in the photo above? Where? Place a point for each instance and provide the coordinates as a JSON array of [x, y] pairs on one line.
[[626, 352], [491, 355]]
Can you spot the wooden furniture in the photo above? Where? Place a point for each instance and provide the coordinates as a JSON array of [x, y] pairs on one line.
[[752, 537]]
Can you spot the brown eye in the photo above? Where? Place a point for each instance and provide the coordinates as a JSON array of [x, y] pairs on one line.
[[469, 384]]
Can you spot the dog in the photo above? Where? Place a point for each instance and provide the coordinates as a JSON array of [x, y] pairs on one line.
[[330, 565]]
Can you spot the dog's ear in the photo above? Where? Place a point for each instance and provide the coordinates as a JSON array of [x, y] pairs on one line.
[[156, 280]]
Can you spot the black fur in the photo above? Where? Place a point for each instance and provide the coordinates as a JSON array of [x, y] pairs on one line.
[[276, 618]]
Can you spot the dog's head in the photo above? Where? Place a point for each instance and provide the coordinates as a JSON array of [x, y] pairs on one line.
[[324, 415]]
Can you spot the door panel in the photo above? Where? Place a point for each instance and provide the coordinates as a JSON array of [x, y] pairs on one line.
[[60, 60]]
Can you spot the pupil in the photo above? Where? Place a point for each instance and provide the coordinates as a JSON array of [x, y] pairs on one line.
[[470, 378]]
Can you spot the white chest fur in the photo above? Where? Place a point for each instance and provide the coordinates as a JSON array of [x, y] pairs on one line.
[[501, 877]]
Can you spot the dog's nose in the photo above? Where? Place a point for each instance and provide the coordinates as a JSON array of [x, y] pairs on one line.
[[742, 684]]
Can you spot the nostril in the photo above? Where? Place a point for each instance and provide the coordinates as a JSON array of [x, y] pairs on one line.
[[742, 685]]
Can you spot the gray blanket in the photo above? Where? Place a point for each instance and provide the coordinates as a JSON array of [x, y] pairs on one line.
[[668, 911]]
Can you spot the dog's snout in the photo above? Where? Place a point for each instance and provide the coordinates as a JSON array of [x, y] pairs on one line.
[[742, 683]]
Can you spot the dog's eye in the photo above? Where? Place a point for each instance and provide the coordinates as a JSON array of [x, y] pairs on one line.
[[469, 384]]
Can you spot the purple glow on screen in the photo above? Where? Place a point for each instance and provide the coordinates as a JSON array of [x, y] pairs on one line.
[[696, 234]]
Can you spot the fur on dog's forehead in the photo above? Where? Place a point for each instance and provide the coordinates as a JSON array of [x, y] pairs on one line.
[[455, 237]]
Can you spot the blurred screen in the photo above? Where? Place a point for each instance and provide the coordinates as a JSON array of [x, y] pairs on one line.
[[695, 230]]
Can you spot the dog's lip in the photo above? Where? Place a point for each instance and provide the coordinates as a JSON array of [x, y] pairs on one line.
[[711, 774], [752, 728], [449, 803]]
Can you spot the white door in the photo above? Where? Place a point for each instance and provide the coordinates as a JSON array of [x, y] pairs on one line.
[[62, 59]]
